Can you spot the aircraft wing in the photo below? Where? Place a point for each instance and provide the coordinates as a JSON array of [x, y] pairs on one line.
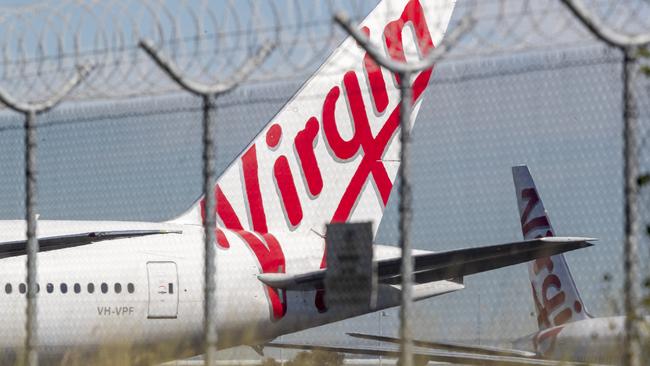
[[429, 267], [421, 354], [19, 247], [451, 347], [468, 349]]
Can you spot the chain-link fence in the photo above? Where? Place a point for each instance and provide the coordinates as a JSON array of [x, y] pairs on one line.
[[281, 125]]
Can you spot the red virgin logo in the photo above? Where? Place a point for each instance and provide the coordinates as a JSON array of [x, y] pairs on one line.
[[363, 143]]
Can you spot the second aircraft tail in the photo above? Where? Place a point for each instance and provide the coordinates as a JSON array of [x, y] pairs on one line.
[[557, 300]]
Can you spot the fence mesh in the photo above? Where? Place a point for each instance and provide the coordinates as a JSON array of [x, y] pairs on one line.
[[135, 163]]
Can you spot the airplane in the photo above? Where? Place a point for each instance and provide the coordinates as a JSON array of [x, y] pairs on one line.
[[566, 329], [329, 155]]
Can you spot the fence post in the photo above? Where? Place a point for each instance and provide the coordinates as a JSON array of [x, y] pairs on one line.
[[405, 71], [30, 111], [31, 324], [209, 226], [632, 350], [209, 95], [628, 45]]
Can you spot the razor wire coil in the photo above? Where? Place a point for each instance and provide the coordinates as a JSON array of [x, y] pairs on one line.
[[43, 43]]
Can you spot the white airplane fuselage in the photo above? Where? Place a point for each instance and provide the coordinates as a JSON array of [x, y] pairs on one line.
[[165, 274]]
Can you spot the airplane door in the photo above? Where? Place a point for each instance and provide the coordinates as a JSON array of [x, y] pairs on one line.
[[163, 290]]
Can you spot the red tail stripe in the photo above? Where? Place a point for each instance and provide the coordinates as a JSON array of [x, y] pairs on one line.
[[552, 281], [225, 211], [226, 214], [529, 194], [288, 192], [541, 263], [536, 223], [304, 144], [271, 260], [376, 80], [414, 14], [343, 149], [253, 193], [563, 316], [222, 241], [542, 315]]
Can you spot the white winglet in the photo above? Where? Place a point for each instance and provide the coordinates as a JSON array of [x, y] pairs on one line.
[[552, 239]]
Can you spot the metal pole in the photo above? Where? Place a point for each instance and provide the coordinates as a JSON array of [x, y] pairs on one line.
[[209, 94], [405, 217], [31, 340], [30, 111], [210, 308], [629, 45], [630, 172], [381, 333], [405, 71]]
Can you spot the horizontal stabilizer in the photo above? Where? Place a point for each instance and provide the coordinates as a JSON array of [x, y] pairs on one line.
[[429, 267], [19, 247], [296, 282], [451, 347], [429, 355]]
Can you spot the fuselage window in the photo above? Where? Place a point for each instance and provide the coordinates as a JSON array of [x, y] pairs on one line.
[[49, 287]]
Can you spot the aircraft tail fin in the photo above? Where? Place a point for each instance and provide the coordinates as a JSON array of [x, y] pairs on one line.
[[331, 154], [557, 300]]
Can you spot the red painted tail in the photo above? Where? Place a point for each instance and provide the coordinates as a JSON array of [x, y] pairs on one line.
[[331, 153]]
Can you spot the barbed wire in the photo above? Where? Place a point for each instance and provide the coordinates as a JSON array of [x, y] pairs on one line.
[[42, 44]]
